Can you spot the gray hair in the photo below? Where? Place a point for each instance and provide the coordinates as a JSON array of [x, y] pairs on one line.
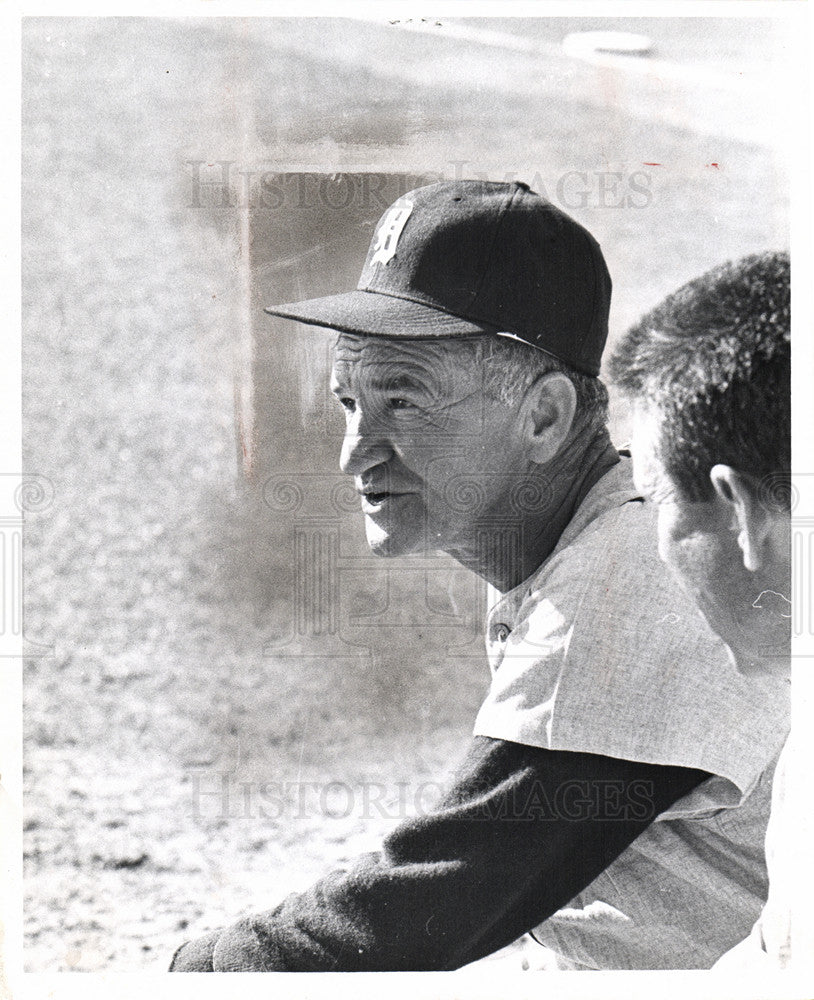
[[510, 366]]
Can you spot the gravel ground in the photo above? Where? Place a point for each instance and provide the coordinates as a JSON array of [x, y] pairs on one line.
[[156, 730]]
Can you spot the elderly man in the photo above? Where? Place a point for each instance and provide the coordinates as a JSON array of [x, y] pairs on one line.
[[619, 764], [708, 373]]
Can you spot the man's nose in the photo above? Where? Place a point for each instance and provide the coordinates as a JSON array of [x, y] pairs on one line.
[[364, 446]]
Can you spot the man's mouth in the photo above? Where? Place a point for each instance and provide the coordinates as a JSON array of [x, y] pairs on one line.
[[374, 501]]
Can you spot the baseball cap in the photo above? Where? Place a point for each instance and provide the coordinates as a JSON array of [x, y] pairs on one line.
[[467, 257]]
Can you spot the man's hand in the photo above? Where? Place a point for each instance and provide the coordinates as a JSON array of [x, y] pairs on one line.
[[234, 949], [196, 956]]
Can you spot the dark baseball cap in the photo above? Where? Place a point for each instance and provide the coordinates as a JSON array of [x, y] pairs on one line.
[[467, 257]]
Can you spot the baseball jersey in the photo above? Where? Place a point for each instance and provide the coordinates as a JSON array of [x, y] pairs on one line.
[[769, 946], [601, 652]]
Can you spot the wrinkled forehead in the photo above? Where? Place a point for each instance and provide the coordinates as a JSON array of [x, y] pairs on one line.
[[435, 361]]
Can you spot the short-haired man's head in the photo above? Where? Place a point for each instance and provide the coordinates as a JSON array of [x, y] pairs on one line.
[[509, 367], [713, 360]]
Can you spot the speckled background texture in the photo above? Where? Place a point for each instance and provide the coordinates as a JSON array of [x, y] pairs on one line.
[[192, 748]]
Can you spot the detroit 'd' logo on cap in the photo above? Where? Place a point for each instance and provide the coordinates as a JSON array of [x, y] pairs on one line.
[[389, 231]]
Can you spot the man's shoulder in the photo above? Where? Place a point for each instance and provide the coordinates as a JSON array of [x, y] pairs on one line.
[[612, 492], [605, 564], [616, 549]]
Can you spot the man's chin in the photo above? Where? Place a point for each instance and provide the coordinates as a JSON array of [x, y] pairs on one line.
[[389, 544]]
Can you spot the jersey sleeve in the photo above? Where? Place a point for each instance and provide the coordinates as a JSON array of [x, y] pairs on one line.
[[519, 833]]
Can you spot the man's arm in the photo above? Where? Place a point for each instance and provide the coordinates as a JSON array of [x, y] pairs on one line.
[[522, 831]]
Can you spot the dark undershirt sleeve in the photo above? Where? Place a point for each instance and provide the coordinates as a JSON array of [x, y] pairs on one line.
[[521, 832]]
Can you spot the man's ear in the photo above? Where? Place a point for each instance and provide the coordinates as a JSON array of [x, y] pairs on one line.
[[749, 518], [550, 405]]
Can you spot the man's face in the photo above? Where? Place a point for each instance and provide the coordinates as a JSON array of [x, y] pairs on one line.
[[698, 541], [431, 456]]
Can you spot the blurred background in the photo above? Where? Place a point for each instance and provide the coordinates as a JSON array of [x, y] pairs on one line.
[[225, 694]]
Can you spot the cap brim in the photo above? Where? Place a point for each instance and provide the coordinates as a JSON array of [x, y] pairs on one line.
[[375, 314]]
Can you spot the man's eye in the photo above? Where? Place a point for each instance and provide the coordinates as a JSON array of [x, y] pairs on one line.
[[347, 403], [397, 403]]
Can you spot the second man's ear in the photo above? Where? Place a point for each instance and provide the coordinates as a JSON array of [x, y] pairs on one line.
[[749, 517], [551, 405]]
